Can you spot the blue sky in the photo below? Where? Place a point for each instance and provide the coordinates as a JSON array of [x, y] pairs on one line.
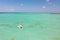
[[29, 5]]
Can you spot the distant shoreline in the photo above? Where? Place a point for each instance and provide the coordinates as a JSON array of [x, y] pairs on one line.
[[28, 13], [54, 13]]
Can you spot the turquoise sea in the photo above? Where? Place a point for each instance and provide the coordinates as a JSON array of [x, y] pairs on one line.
[[36, 26]]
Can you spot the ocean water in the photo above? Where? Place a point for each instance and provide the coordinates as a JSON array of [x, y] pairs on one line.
[[36, 26]]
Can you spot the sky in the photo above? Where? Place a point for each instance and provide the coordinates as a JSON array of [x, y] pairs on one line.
[[29, 5]]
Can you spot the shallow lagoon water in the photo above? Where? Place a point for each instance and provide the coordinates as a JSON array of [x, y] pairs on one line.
[[35, 26]]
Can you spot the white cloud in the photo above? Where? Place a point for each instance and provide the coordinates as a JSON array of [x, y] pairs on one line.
[[21, 4], [9, 9], [12, 9], [54, 5], [47, 0], [43, 7]]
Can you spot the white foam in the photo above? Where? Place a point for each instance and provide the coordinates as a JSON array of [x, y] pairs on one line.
[[20, 26]]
